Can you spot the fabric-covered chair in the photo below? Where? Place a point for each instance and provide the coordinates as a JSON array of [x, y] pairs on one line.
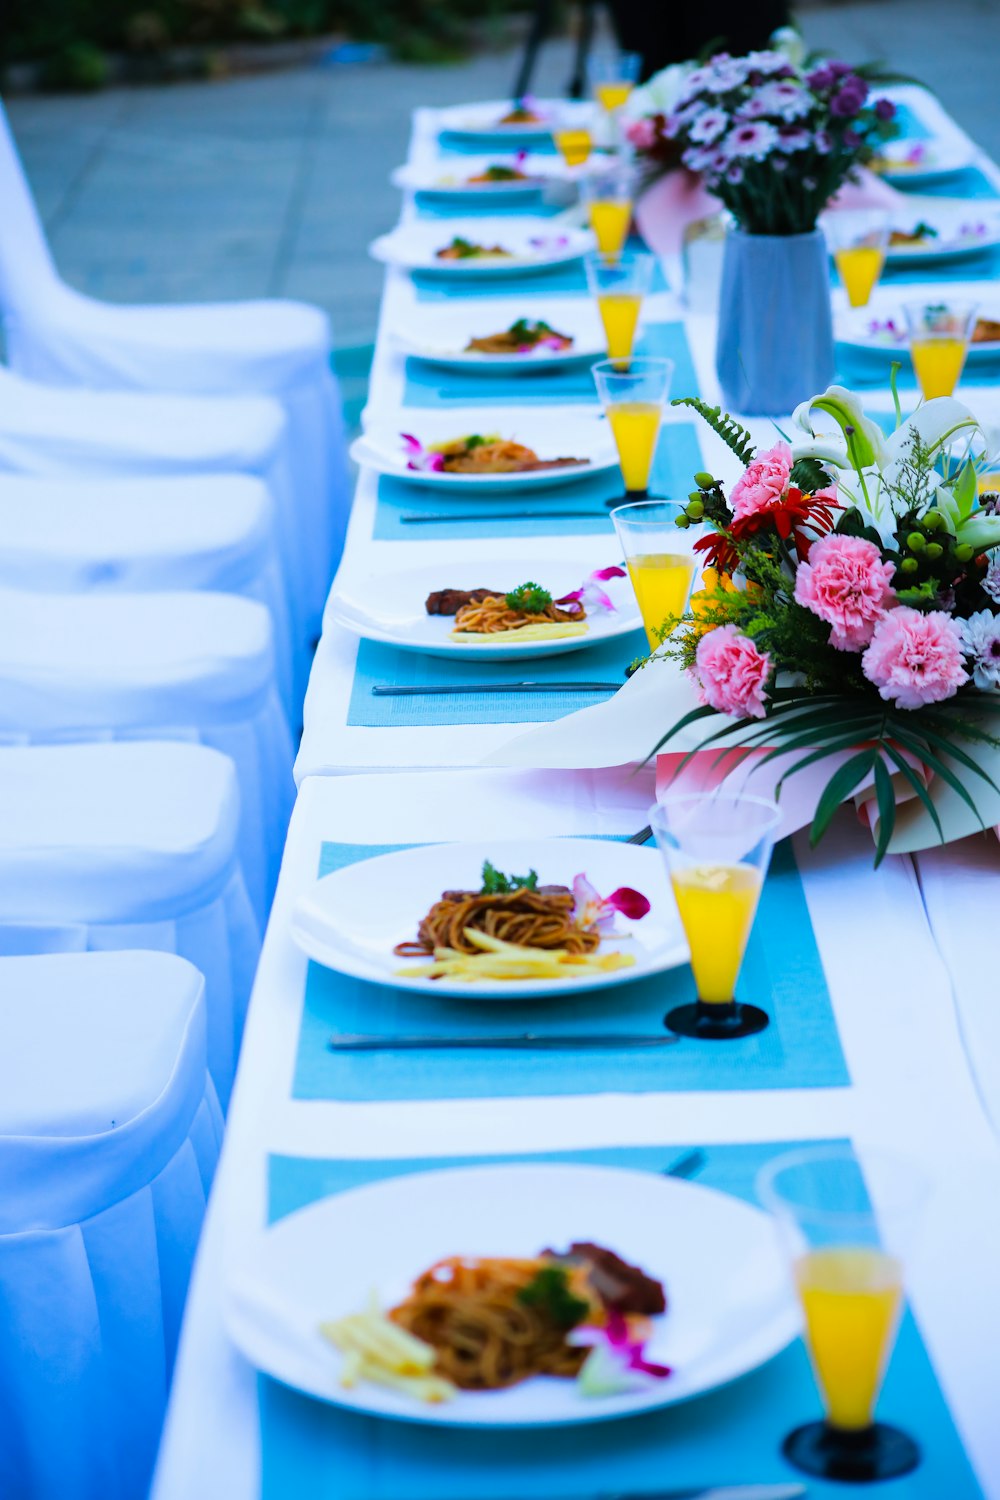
[[212, 531], [278, 348], [80, 434], [116, 846], [109, 1134], [195, 666]]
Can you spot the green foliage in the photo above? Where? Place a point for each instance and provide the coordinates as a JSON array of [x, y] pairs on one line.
[[809, 475], [496, 883], [549, 1293], [529, 599], [735, 436], [79, 66]]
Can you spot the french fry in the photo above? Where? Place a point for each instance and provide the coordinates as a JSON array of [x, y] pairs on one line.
[[378, 1350], [500, 960]]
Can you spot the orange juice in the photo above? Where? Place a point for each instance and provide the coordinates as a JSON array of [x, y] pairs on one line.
[[636, 427], [859, 267], [661, 581], [575, 146], [610, 219], [717, 904], [620, 316], [613, 94], [851, 1297], [938, 364]]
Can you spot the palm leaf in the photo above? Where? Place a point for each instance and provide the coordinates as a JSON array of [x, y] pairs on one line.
[[886, 797], [930, 758], [903, 765], [838, 788]]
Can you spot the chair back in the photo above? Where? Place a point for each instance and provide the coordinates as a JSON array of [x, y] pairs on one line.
[[27, 270]]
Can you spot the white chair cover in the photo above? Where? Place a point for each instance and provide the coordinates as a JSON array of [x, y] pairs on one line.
[[195, 666], [213, 531], [109, 1136], [279, 348], [116, 846]]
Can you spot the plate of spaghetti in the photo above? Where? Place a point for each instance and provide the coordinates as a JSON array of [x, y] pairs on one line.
[[532, 336], [476, 452], [513, 122], [460, 921], [514, 1295], [458, 610], [487, 246]]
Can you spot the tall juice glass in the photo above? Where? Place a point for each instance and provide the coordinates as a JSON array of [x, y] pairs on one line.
[[717, 847], [633, 401], [939, 340], [659, 559], [613, 77], [618, 285], [574, 144], [609, 196], [845, 1222], [858, 239]]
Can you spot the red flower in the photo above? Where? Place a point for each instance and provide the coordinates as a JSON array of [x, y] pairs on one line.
[[796, 516]]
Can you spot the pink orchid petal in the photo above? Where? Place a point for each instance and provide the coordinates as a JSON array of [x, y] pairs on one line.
[[632, 904], [412, 444], [602, 574]]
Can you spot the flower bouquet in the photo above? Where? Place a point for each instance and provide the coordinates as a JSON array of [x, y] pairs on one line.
[[849, 613], [773, 140]]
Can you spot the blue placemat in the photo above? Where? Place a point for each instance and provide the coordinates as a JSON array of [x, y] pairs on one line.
[[470, 144], [577, 508], [984, 265], [433, 385], [561, 280], [970, 182], [859, 368], [782, 971], [732, 1436], [384, 664], [443, 205]]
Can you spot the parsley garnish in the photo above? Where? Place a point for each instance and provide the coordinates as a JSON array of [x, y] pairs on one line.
[[496, 883], [549, 1292], [474, 440], [529, 599]]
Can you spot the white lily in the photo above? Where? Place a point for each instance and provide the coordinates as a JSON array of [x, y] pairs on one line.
[[790, 41], [660, 95]]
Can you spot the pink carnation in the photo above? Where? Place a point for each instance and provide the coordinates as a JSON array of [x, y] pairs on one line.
[[642, 134], [846, 583], [732, 672], [915, 659], [763, 483]]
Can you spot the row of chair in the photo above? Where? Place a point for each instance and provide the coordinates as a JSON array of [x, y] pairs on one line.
[[173, 494]]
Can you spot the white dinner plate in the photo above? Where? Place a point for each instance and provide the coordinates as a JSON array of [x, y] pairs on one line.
[[535, 244], [351, 920], [964, 229], [482, 121], [730, 1306], [584, 435], [440, 335], [449, 176], [390, 607], [884, 332], [923, 161]]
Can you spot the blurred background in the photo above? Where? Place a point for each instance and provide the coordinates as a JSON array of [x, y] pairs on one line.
[[212, 149]]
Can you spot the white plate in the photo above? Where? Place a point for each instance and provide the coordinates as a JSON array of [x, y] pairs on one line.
[[858, 331], [449, 176], [938, 160], [439, 335], [350, 921], [559, 434], [390, 607], [535, 243], [964, 229], [730, 1306], [482, 121]]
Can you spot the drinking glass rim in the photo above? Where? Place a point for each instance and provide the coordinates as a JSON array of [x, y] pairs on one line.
[[624, 260], [634, 505], [721, 796], [641, 364], [958, 306], [777, 1202]]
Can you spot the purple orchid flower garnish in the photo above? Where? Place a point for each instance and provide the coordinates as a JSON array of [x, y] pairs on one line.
[[590, 595], [549, 241], [419, 458], [620, 1342], [972, 231], [595, 911]]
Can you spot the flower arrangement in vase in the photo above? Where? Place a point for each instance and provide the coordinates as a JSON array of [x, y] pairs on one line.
[[773, 140], [850, 612]]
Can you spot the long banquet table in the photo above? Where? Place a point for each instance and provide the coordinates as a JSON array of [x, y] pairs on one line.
[[890, 1038]]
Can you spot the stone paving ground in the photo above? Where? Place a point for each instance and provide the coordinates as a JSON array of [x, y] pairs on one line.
[[273, 185]]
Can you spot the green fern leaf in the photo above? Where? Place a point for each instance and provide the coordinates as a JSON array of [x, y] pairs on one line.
[[735, 437]]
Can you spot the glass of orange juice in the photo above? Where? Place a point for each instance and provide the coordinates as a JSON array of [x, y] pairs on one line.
[[574, 143], [846, 1220], [858, 239], [660, 561], [618, 284], [717, 847], [613, 76], [633, 399], [939, 340], [609, 196]]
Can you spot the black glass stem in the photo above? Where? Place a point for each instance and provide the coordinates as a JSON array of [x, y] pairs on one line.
[[715, 1022], [876, 1452]]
